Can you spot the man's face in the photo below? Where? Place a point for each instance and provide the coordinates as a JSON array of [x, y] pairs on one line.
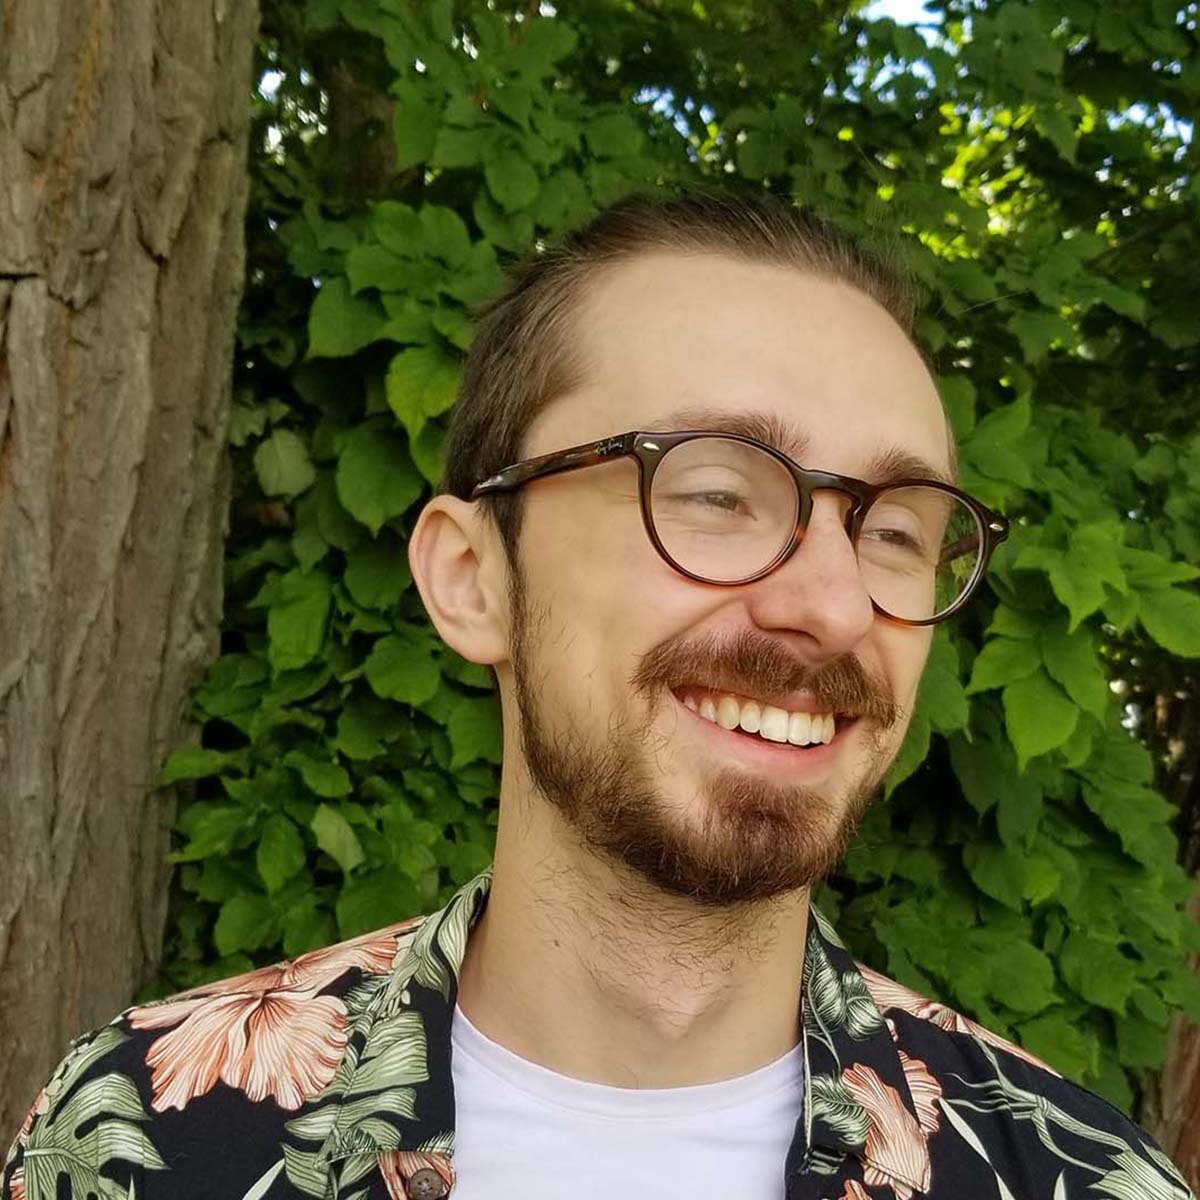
[[615, 657]]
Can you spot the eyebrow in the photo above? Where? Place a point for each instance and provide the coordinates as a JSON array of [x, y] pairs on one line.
[[888, 465]]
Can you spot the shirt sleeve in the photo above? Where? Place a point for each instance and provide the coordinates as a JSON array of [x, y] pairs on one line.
[[87, 1113]]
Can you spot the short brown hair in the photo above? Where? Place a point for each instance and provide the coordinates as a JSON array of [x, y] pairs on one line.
[[524, 355]]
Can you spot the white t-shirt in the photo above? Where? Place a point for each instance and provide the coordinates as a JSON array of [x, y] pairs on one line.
[[526, 1133]]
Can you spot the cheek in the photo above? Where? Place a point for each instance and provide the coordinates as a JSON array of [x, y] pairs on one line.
[[600, 597]]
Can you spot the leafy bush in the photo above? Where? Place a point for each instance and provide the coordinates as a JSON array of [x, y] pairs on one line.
[[1023, 867]]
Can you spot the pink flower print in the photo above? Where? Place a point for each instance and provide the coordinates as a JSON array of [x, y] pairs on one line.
[[925, 1090], [855, 1191], [896, 1150], [887, 993], [266, 1033]]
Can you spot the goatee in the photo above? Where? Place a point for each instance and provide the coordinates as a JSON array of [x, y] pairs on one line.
[[754, 839]]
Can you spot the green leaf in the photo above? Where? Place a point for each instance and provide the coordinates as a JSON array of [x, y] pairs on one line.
[[402, 668], [297, 618], [1171, 616], [1002, 661], [1038, 331], [446, 235], [282, 464], [421, 382], [375, 477], [511, 179], [1097, 971], [1080, 589], [995, 871], [245, 922], [1038, 715], [455, 326], [429, 453], [1072, 660], [246, 421], [377, 573], [1060, 1043], [563, 201], [513, 232], [340, 324], [1140, 1043], [397, 227], [1012, 622], [308, 545], [373, 266], [335, 836], [1003, 426], [1019, 802], [1020, 975], [545, 42], [460, 147], [613, 135], [913, 751], [475, 733], [373, 900], [1059, 129], [941, 692], [363, 726], [196, 762], [326, 779], [280, 852], [985, 769], [210, 829], [1147, 571], [958, 395], [414, 125]]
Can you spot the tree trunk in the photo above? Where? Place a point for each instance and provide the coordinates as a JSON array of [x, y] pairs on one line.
[[123, 133], [1172, 1101]]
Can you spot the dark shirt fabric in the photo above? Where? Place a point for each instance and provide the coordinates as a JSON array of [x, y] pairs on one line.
[[329, 1077]]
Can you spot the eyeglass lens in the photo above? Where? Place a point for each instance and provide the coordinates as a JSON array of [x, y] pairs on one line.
[[725, 510]]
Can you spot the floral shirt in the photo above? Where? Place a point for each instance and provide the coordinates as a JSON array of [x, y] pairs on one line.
[[329, 1077]]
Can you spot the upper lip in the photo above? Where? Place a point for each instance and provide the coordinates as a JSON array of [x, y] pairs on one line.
[[800, 701]]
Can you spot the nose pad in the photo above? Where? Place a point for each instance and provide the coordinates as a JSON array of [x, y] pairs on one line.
[[847, 503]]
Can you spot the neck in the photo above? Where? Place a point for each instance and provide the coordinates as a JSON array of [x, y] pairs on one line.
[[582, 967]]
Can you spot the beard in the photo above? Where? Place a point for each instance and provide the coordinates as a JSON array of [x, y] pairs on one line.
[[754, 838]]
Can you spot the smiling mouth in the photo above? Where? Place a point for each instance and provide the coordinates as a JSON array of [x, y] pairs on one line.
[[765, 722]]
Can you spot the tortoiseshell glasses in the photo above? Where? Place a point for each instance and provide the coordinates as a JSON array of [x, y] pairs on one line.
[[726, 509]]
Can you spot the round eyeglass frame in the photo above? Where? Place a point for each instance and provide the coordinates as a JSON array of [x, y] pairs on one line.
[[649, 449]]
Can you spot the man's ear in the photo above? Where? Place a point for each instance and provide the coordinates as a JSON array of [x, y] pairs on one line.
[[461, 571]]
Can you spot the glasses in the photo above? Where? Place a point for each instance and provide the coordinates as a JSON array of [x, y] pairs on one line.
[[726, 509]]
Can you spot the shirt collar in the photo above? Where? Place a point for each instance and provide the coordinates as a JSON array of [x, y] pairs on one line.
[[392, 1098]]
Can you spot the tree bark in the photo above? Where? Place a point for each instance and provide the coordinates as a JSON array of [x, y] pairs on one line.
[[123, 136]]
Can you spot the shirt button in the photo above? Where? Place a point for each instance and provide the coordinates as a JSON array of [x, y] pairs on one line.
[[425, 1184]]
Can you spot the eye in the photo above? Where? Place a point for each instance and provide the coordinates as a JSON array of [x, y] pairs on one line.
[[727, 501]]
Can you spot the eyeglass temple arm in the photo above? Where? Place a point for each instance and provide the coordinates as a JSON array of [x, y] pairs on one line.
[[552, 464], [970, 543]]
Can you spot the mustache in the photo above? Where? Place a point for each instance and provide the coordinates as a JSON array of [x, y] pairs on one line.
[[757, 666]]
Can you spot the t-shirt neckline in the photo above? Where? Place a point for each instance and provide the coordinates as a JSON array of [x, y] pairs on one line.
[[623, 1103]]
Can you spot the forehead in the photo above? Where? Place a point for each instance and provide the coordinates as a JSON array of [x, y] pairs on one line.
[[665, 334]]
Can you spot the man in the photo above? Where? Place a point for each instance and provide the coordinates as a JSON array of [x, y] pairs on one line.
[[707, 656]]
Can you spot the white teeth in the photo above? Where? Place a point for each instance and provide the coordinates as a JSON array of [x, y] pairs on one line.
[[751, 716], [773, 724], [728, 712], [800, 729]]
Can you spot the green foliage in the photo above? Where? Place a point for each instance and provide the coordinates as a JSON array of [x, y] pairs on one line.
[[1023, 866]]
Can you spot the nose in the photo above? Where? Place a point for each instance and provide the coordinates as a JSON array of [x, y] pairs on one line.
[[819, 591]]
